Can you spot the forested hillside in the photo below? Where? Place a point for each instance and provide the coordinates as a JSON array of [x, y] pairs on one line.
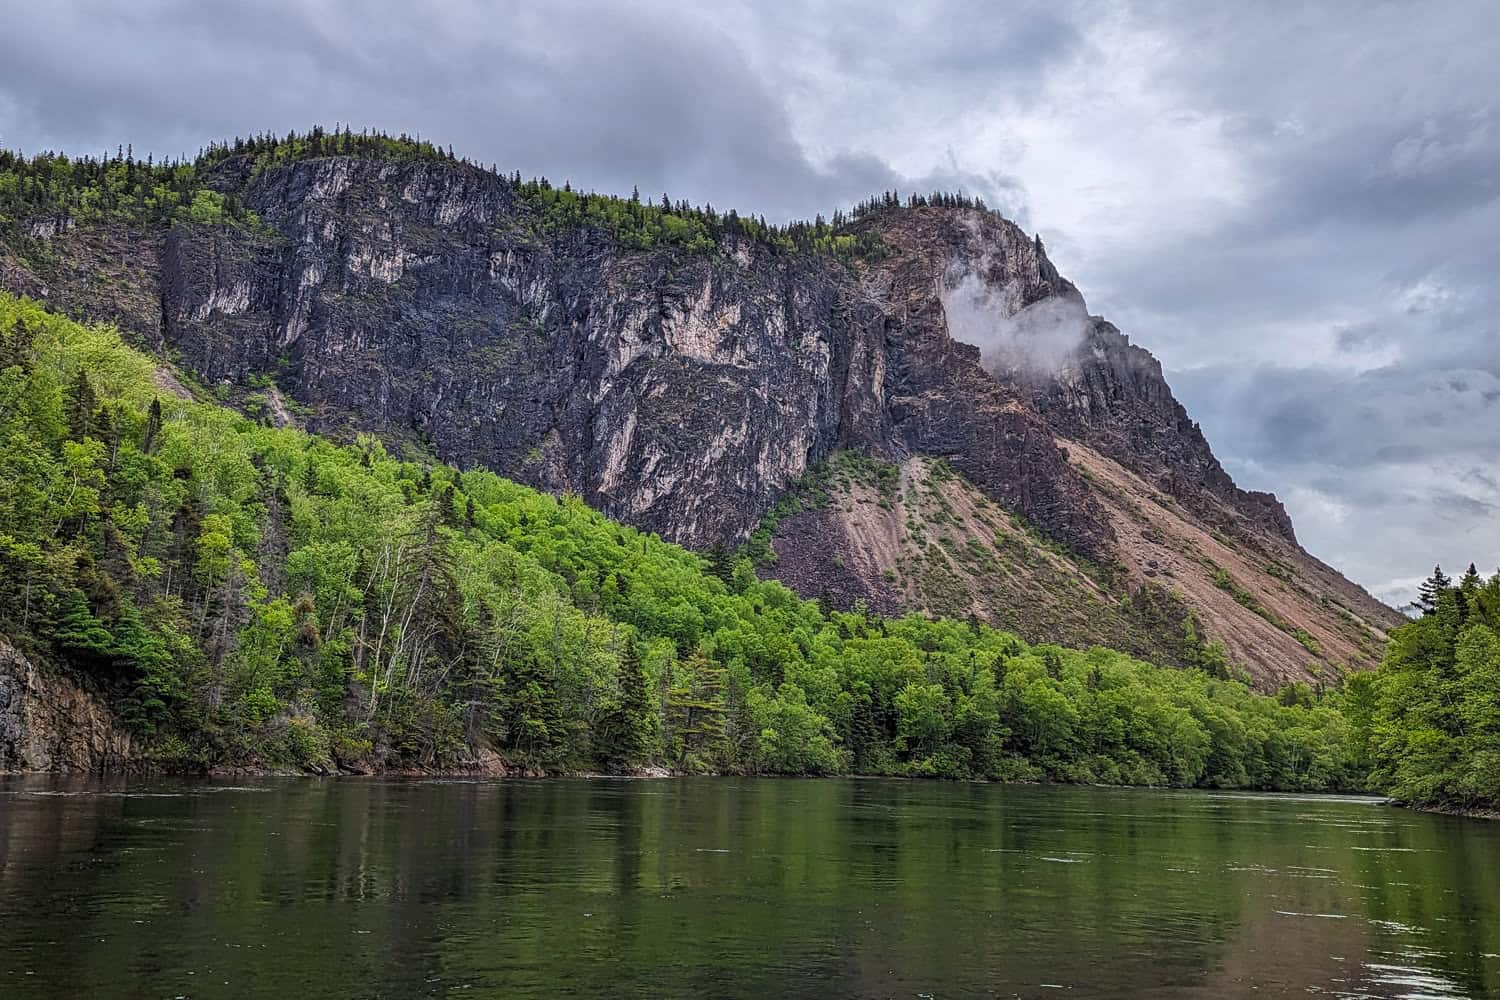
[[256, 596]]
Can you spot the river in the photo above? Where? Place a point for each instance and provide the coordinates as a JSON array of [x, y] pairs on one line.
[[358, 887]]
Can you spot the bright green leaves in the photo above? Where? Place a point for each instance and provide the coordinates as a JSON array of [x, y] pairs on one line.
[[924, 717], [792, 737], [80, 476], [206, 208]]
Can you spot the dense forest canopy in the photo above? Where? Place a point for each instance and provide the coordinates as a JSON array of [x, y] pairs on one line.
[[1430, 717], [51, 186]]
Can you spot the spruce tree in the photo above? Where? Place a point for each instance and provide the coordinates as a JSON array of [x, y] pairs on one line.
[[1468, 590], [79, 634], [1431, 589], [623, 742], [15, 345], [153, 427], [862, 734], [146, 662], [721, 562], [531, 716], [82, 402]]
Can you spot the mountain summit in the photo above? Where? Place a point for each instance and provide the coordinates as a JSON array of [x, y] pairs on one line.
[[908, 407]]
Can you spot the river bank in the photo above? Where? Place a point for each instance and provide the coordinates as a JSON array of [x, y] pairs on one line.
[[1470, 812], [492, 768]]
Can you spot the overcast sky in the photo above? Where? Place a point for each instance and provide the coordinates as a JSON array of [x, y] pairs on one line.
[[1297, 210]]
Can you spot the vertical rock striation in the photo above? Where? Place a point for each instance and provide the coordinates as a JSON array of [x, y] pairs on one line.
[[49, 722]]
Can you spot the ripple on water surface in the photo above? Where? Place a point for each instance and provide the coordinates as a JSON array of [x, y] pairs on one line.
[[733, 887]]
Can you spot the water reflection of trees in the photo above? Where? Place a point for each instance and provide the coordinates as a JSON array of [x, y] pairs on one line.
[[726, 887]]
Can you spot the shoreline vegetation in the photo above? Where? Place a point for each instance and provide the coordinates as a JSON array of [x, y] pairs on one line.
[[1476, 812], [258, 597]]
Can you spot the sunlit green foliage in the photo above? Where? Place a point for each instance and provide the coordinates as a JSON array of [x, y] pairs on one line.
[[51, 187]]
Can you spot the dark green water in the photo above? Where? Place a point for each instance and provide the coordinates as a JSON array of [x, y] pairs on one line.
[[718, 887]]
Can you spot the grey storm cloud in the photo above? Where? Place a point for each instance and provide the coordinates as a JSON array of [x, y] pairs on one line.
[[1294, 206], [607, 96], [1394, 467], [1350, 421]]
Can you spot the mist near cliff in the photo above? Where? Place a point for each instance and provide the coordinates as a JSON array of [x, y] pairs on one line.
[[1039, 340]]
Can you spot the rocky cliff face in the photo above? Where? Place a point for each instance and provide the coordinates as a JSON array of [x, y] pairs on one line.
[[679, 393], [682, 392], [49, 722]]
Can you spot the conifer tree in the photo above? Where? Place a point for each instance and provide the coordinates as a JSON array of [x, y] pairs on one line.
[[623, 730], [77, 632], [153, 427], [15, 346], [531, 717], [1431, 589], [82, 404], [695, 714], [155, 689], [721, 562]]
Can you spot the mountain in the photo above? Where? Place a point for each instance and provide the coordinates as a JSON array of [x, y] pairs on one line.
[[908, 407]]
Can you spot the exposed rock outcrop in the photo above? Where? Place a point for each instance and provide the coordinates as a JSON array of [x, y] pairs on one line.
[[680, 393], [50, 722]]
